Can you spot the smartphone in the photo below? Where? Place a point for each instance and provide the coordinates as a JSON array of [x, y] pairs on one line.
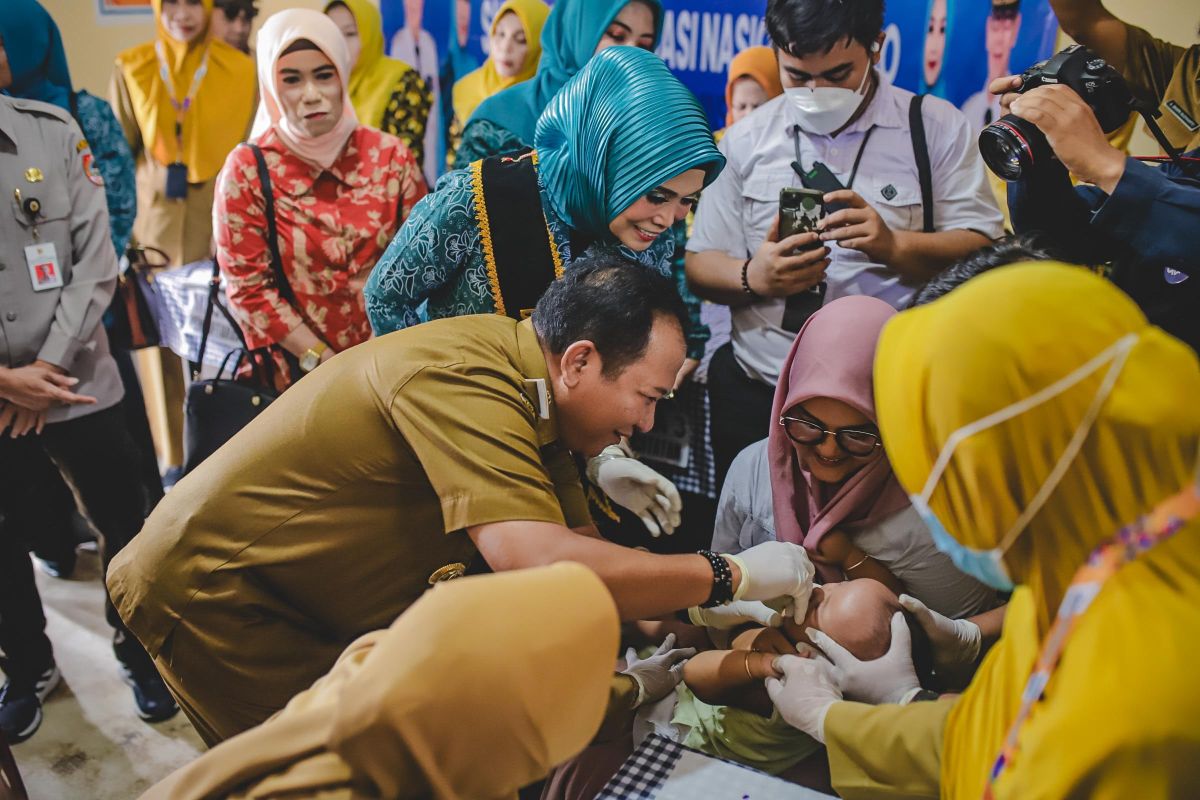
[[799, 212]]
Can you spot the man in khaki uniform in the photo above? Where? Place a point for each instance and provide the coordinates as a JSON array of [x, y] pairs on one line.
[[390, 468]]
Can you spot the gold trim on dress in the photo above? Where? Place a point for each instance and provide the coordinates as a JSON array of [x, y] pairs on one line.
[[485, 232]]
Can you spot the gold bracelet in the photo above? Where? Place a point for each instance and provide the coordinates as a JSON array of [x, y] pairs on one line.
[[862, 561], [749, 674]]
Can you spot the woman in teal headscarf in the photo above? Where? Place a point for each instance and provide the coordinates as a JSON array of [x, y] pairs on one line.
[[575, 31], [621, 153]]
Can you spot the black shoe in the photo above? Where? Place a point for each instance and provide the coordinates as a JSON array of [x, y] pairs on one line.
[[154, 701], [21, 705], [62, 567]]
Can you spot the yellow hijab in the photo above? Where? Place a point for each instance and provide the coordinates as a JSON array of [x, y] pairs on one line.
[[479, 688], [477, 86], [374, 76], [1124, 680], [218, 117]]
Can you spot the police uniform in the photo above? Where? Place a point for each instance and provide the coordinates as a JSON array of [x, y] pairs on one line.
[[337, 507], [58, 270]]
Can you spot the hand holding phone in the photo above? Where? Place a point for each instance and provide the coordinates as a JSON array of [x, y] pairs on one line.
[[799, 212]]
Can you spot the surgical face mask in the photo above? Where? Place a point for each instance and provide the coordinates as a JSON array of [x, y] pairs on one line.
[[825, 109], [987, 566]]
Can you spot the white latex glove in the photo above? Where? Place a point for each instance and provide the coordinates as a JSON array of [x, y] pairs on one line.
[[739, 612], [657, 674], [632, 484], [955, 642], [804, 694], [773, 570], [890, 678]]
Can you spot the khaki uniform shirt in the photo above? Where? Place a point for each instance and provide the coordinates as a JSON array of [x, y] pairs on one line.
[[1168, 76], [44, 156], [327, 516]]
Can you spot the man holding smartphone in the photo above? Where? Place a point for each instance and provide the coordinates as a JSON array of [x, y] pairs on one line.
[[847, 130]]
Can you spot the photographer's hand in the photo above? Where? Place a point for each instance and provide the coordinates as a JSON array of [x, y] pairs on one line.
[[1073, 133], [1004, 87]]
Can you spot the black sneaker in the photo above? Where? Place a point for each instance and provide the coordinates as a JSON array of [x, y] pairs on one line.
[[153, 699], [61, 567], [21, 704]]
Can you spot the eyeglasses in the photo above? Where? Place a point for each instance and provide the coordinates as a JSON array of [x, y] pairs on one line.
[[853, 441]]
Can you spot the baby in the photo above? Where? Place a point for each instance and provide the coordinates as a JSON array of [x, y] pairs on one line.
[[723, 706]]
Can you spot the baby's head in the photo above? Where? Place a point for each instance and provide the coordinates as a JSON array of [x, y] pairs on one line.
[[858, 616]]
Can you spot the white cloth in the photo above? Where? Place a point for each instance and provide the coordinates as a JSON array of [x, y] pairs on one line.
[[276, 35], [422, 56], [901, 542], [737, 210]]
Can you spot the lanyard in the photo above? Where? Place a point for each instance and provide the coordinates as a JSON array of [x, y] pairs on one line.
[[1103, 562], [181, 107], [857, 158]]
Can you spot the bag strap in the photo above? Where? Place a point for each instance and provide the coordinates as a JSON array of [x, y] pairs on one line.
[[264, 178], [916, 124], [214, 287]]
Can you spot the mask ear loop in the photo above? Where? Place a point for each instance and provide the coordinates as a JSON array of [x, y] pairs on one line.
[[1073, 447]]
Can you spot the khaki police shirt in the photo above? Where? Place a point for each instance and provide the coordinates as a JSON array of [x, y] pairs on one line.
[[44, 156], [334, 507], [1168, 76]]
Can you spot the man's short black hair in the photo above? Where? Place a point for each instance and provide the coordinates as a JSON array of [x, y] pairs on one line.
[[235, 8], [610, 301], [1034, 246], [803, 27]]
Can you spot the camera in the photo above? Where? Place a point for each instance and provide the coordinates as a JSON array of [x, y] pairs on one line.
[[1012, 146]]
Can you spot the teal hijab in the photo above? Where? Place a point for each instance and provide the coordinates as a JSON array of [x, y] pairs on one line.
[[569, 38], [619, 128], [35, 54]]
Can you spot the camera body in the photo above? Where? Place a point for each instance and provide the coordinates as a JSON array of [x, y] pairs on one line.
[[1010, 146]]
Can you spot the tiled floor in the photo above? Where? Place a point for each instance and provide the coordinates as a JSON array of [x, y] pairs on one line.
[[91, 745]]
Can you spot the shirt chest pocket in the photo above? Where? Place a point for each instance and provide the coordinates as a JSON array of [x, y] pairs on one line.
[[760, 202], [42, 208], [897, 198]]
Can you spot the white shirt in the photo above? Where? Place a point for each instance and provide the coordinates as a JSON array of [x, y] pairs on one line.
[[901, 542], [737, 210]]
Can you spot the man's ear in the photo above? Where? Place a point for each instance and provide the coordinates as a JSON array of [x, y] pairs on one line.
[[877, 51], [577, 361]]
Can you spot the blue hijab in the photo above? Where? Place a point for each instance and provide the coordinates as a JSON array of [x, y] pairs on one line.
[[569, 38], [35, 54], [619, 128]]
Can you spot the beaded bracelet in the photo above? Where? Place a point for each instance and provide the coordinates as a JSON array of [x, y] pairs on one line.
[[722, 589], [746, 279]]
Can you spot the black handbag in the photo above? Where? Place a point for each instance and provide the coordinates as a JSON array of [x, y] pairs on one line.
[[217, 408], [130, 322]]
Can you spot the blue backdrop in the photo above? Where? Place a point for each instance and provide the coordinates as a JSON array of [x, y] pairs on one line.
[[700, 37]]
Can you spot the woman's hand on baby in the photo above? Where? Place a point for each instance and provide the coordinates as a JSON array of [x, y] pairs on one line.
[[956, 642], [891, 678], [804, 693], [659, 673]]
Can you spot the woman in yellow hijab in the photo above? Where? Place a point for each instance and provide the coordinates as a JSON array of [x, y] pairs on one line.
[[515, 46], [185, 100], [1034, 413], [387, 94], [478, 689], [753, 80]]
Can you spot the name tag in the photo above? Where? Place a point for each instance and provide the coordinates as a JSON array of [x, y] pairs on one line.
[[44, 271]]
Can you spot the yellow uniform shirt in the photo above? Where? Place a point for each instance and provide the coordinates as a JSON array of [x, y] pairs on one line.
[[1168, 76], [326, 517]]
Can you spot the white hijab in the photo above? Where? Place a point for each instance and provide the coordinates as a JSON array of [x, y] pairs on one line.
[[277, 34]]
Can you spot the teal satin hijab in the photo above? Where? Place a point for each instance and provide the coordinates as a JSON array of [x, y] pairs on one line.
[[569, 38], [35, 54], [619, 128]]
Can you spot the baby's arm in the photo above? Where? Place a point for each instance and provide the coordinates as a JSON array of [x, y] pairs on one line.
[[837, 549], [732, 678]]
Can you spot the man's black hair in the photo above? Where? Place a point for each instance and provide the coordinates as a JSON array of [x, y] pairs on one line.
[[803, 27], [1034, 246], [610, 301], [235, 8]]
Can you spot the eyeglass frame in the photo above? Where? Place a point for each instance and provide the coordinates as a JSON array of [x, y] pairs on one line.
[[825, 434]]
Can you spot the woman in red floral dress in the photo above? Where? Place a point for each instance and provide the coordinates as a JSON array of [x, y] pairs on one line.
[[341, 191]]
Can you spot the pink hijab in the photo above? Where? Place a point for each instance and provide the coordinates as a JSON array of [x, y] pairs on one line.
[[278, 33], [831, 357]]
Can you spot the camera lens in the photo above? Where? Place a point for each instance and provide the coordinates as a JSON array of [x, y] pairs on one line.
[[1010, 146]]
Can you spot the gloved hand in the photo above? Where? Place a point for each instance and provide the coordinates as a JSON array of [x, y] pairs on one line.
[[804, 694], [658, 674], [773, 570], [632, 484], [736, 613], [891, 678], [955, 642]]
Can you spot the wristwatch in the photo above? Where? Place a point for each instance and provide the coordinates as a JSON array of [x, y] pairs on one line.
[[312, 357]]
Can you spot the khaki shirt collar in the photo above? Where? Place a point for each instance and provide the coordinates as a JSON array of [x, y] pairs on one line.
[[7, 113], [531, 361]]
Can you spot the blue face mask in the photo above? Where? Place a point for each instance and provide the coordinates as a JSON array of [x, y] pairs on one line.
[[987, 566]]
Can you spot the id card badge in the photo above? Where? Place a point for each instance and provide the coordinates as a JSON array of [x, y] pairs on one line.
[[177, 184], [44, 271]]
